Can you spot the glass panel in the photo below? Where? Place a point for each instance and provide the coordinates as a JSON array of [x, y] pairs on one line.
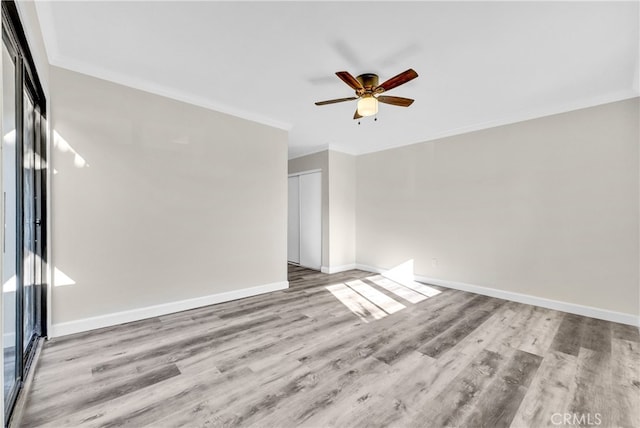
[[29, 221], [9, 200], [38, 185]]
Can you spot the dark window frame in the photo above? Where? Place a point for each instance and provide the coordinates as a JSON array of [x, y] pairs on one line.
[[27, 79]]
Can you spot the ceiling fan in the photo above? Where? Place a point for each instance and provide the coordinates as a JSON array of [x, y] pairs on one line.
[[368, 91]]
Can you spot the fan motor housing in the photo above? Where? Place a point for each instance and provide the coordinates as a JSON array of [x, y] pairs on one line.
[[368, 80]]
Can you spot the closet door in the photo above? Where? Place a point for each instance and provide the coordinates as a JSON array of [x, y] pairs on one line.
[[311, 220], [293, 224]]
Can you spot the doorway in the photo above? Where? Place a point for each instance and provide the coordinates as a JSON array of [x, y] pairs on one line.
[[304, 239]]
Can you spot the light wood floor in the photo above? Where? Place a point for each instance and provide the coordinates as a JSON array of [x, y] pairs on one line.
[[343, 350]]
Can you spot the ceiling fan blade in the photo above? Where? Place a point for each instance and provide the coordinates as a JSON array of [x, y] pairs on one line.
[[337, 100], [396, 101], [349, 80], [398, 80], [356, 115]]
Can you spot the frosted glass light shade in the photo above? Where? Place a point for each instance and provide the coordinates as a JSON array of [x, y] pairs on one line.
[[367, 106]]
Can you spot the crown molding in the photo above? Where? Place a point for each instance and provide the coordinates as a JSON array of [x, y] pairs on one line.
[[521, 116], [167, 92], [45, 16]]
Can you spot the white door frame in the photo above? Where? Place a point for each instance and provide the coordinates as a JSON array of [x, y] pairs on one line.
[[298, 174]]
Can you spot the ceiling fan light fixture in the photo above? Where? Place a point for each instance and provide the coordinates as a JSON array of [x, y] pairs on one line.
[[368, 92], [367, 105]]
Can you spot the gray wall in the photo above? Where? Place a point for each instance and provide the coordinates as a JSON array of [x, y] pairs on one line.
[[342, 209], [547, 207], [155, 200]]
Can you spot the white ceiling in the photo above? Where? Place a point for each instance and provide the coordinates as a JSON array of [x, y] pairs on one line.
[[481, 64]]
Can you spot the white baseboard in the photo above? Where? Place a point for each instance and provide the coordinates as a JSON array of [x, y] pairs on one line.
[[574, 308], [336, 269], [108, 320]]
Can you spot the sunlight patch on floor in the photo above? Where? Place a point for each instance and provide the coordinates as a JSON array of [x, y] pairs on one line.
[[366, 301], [397, 289], [379, 299], [419, 287], [356, 303]]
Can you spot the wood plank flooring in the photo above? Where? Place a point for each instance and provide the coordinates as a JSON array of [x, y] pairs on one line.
[[352, 349]]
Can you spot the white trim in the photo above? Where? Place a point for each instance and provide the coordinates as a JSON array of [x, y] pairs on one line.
[[324, 148], [337, 269], [341, 149], [167, 92], [47, 27], [309, 152], [86, 324], [574, 308], [298, 174], [513, 118]]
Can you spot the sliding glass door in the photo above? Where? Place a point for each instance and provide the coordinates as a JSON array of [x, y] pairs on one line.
[[9, 198], [24, 209], [28, 224]]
